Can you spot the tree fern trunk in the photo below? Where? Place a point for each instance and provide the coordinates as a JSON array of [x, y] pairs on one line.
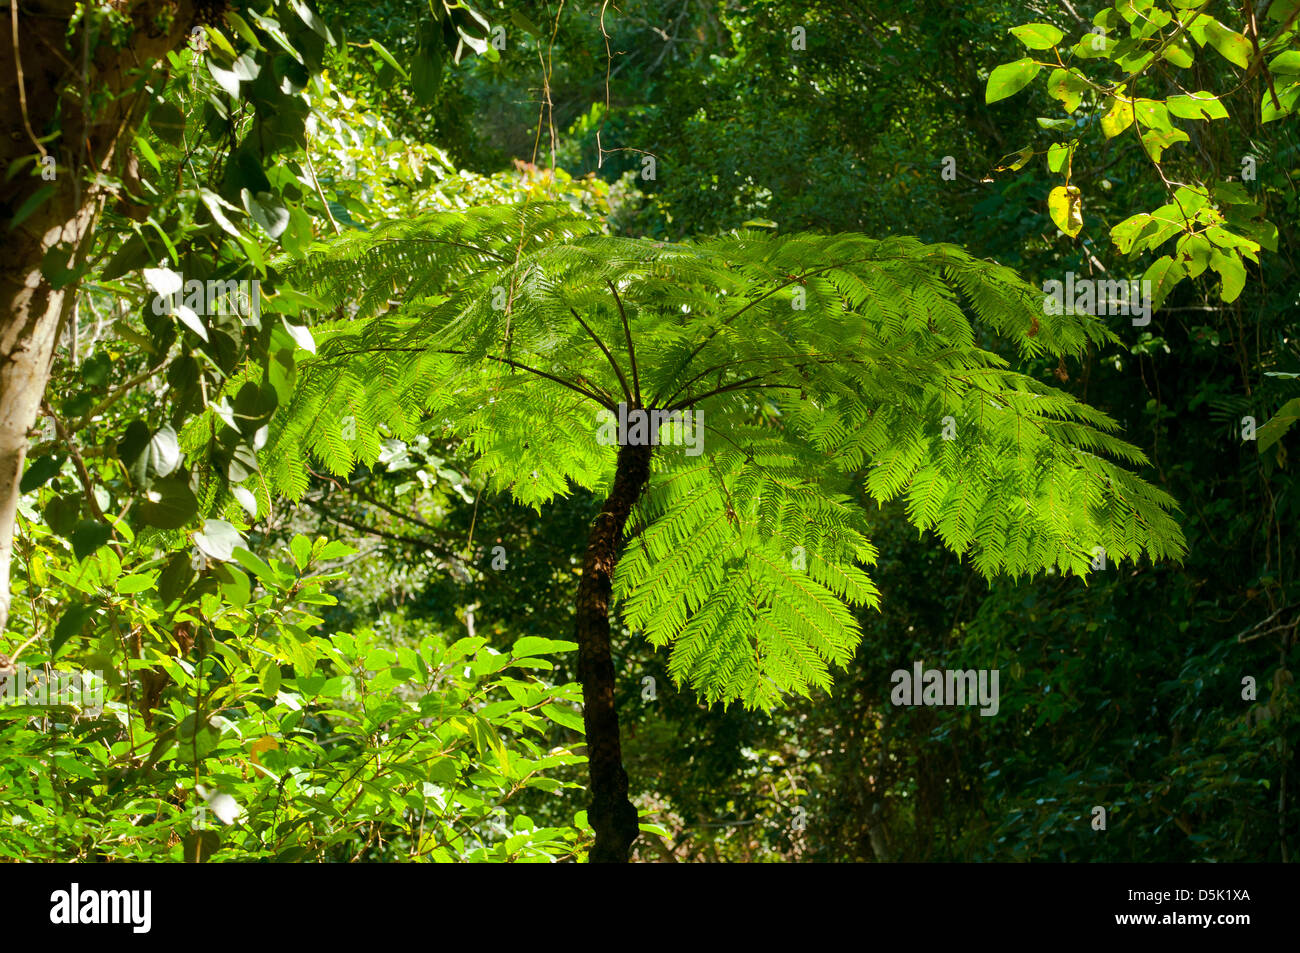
[[611, 813]]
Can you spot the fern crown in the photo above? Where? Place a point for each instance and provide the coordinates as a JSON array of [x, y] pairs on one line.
[[825, 370]]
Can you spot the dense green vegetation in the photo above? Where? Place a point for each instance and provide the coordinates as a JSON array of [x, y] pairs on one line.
[[357, 572]]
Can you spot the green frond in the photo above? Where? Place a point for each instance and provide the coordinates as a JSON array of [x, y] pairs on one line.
[[818, 363]]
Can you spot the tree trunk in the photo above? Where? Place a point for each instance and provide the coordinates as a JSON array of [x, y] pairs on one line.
[[44, 75], [611, 813], [30, 312]]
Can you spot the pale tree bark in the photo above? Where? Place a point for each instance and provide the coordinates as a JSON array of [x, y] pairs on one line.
[[46, 78]]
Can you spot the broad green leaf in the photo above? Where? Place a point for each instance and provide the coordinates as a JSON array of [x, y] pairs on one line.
[[196, 738], [175, 577], [388, 58], [256, 566], [310, 18], [164, 451], [536, 645], [39, 472], [1016, 160], [214, 204], [1277, 425], [563, 716], [1152, 114], [1194, 252], [301, 335], [1231, 45], [187, 317], [1226, 239], [1189, 200], [71, 623], [34, 201], [218, 539], [168, 504], [1163, 274], [1179, 53], [147, 153], [1126, 232], [1288, 97], [1231, 271], [168, 122], [246, 499], [1287, 63], [1156, 141], [1009, 79], [140, 582], [163, 280], [226, 79], [246, 32], [1198, 105], [1038, 36], [300, 550], [1057, 155], [61, 513], [233, 584], [267, 211], [88, 537]]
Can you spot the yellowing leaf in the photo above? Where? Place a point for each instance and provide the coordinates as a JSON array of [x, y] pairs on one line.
[[1016, 160], [1065, 205], [1156, 141], [1119, 118], [1066, 86]]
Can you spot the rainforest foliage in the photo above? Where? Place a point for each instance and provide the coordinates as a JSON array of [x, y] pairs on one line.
[[520, 431]]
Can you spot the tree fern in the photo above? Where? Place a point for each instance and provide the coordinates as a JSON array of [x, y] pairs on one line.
[[818, 363]]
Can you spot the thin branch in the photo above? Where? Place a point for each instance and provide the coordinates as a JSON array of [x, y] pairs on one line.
[[604, 350], [84, 474], [118, 394], [746, 384], [319, 191], [429, 545], [627, 334], [22, 84]]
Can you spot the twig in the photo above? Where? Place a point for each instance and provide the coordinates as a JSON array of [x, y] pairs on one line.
[[22, 85], [80, 464]]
